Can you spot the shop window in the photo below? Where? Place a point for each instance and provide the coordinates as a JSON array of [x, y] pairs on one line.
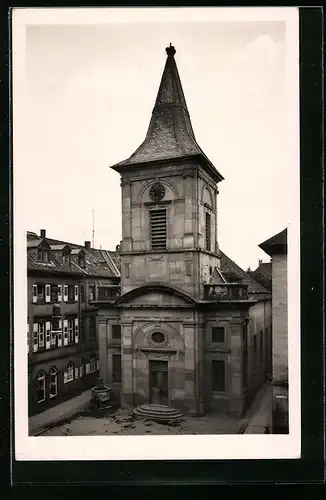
[[40, 386], [69, 373], [53, 382]]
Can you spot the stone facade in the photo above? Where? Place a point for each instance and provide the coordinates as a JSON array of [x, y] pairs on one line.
[[62, 346], [184, 331], [276, 247]]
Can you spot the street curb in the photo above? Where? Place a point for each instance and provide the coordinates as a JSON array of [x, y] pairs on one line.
[[37, 431]]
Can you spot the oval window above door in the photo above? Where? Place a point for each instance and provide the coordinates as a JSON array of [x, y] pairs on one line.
[[158, 337]]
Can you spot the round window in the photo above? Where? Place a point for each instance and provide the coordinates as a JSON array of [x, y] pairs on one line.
[[158, 337]]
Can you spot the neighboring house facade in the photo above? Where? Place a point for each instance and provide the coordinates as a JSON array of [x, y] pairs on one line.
[[276, 248], [188, 320], [61, 324]]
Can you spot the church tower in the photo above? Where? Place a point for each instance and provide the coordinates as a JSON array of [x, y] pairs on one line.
[[175, 334], [169, 199]]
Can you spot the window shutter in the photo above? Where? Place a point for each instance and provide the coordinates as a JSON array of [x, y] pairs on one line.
[[65, 293], [65, 332], [76, 293], [47, 293], [34, 294], [60, 338], [76, 372], [65, 377], [47, 335], [35, 337], [59, 293], [76, 330]]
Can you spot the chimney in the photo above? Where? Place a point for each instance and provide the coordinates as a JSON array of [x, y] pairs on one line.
[[43, 233], [260, 262], [87, 245]]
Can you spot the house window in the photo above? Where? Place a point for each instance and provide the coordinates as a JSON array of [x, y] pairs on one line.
[[81, 261], [40, 386], [54, 293], [81, 369], [66, 259], [91, 292], [158, 229], [69, 374], [218, 334], [82, 293], [53, 382], [116, 368], [208, 231], [41, 333], [254, 353], [92, 364], [116, 332], [40, 292], [218, 375], [71, 293], [71, 335]]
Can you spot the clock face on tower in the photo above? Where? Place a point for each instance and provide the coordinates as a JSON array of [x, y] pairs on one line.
[[157, 192]]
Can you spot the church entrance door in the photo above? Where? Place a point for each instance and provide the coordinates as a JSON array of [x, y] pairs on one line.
[[158, 382]]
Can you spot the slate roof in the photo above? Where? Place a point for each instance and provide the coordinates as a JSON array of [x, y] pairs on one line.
[[170, 134], [263, 274], [95, 264], [231, 271]]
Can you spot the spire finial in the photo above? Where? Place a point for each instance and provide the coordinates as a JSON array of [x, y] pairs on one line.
[[170, 50]]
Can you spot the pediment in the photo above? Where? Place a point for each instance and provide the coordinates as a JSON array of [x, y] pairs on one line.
[[156, 296]]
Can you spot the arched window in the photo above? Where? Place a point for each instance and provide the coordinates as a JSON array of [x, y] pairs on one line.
[[40, 386], [53, 382], [69, 373]]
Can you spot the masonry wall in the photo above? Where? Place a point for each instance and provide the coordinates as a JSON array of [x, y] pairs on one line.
[[189, 193], [280, 319], [259, 360]]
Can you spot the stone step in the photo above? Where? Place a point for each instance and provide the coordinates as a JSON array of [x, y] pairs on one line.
[[159, 413]]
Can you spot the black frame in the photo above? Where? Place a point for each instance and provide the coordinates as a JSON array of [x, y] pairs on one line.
[[308, 469]]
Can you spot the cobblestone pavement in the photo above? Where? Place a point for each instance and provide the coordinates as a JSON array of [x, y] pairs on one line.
[[123, 423]]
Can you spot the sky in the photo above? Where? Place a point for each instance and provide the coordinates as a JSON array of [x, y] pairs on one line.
[[89, 94]]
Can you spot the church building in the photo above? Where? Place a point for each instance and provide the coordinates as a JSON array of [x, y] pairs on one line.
[[177, 334]]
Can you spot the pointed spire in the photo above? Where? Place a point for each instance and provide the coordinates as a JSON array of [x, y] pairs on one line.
[[170, 134]]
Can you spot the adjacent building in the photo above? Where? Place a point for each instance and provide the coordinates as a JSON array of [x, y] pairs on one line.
[[276, 248], [63, 280], [189, 329]]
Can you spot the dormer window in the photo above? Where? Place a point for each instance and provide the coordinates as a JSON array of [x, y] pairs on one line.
[[66, 259], [43, 255], [81, 261]]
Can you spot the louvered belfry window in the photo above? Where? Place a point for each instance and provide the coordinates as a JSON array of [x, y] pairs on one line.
[[208, 231], [158, 229]]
